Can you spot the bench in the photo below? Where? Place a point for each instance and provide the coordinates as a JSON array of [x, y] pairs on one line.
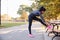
[[55, 32]]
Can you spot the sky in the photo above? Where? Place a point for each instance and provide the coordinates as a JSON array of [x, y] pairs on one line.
[[10, 7]]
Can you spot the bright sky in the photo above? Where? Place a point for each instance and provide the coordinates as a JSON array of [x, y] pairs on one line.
[[10, 7]]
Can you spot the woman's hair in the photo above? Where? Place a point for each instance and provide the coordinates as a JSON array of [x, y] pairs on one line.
[[42, 9]]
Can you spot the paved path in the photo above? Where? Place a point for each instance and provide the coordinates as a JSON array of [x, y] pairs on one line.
[[21, 33]]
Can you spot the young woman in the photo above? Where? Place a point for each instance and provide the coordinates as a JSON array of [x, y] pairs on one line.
[[32, 17]]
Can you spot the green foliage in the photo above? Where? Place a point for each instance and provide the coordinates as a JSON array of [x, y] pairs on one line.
[[52, 8], [29, 9], [5, 25], [22, 8]]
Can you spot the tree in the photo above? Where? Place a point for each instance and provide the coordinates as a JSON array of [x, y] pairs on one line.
[[0, 12], [24, 15], [22, 11], [52, 6], [28, 9], [23, 7]]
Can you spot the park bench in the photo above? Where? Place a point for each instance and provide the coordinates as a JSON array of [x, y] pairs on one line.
[[55, 32]]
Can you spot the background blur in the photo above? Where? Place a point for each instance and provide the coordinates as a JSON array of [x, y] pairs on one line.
[[15, 12]]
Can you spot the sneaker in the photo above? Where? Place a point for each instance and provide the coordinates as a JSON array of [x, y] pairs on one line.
[[49, 27], [30, 35]]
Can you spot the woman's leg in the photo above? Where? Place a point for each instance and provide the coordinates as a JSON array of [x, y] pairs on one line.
[[29, 26], [37, 19]]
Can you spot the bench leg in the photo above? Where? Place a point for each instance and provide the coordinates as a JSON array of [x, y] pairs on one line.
[[49, 33], [53, 37], [57, 27]]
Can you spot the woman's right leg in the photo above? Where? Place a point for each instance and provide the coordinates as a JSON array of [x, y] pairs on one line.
[[37, 19]]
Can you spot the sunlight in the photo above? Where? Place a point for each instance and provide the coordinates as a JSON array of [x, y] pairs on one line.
[[10, 7]]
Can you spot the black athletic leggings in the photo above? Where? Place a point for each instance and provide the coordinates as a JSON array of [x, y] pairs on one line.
[[30, 22]]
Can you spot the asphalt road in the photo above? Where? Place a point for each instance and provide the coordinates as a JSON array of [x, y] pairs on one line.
[[21, 33]]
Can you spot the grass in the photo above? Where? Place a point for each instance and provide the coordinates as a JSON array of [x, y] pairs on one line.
[[5, 25]]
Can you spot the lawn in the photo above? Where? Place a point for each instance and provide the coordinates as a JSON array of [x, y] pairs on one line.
[[5, 25]]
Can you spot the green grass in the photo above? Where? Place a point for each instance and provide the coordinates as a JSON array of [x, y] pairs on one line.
[[5, 25]]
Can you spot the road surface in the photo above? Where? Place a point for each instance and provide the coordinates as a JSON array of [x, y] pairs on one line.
[[21, 33]]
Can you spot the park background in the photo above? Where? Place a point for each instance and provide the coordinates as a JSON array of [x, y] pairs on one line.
[[15, 12], [14, 19]]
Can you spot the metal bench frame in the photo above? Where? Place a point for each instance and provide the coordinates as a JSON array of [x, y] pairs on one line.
[[55, 32]]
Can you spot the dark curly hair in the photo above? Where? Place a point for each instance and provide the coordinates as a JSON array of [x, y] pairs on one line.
[[42, 9]]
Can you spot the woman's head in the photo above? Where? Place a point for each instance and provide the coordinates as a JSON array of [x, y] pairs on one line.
[[42, 9]]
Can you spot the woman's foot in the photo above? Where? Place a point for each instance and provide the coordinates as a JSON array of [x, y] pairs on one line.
[[30, 35], [49, 27]]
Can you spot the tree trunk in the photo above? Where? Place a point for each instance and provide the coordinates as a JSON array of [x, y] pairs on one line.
[[0, 19], [0, 12]]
